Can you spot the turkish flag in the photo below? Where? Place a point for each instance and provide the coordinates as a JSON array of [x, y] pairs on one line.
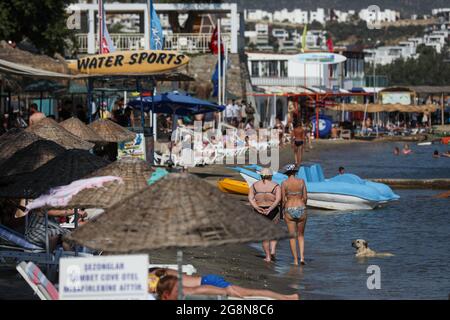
[[330, 44], [214, 44]]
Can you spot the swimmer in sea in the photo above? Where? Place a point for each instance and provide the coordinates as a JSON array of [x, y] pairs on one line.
[[406, 149], [436, 154], [396, 151]]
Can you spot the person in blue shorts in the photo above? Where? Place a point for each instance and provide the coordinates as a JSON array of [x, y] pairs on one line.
[[211, 284]]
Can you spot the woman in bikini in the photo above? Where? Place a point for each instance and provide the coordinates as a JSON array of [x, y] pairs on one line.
[[298, 140], [294, 197], [164, 282], [265, 197]]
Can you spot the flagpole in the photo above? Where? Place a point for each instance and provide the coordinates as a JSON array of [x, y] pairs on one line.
[[100, 25], [219, 93], [224, 92]]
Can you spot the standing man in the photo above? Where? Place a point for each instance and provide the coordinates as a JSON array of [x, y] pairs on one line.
[[243, 112], [229, 112], [236, 113], [35, 114], [250, 111]]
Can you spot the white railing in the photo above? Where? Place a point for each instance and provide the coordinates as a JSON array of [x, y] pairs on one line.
[[348, 83], [182, 42]]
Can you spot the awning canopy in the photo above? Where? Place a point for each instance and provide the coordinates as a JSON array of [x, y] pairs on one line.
[[386, 107]]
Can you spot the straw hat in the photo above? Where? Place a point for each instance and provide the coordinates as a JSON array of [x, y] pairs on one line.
[[178, 211], [110, 131], [67, 167], [49, 129], [134, 173], [80, 129], [31, 157], [266, 172], [14, 140]]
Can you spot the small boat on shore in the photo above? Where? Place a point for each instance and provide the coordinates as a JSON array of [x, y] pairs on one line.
[[233, 186], [342, 192]]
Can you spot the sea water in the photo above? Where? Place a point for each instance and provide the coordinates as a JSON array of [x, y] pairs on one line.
[[416, 229]]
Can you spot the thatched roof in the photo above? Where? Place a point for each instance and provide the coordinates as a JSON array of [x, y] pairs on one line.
[[80, 129], [69, 166], [134, 173], [31, 157], [14, 140], [49, 129], [179, 211], [386, 107], [33, 60], [110, 131]]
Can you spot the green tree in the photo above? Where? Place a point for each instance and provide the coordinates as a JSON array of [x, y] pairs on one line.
[[42, 22], [429, 68]]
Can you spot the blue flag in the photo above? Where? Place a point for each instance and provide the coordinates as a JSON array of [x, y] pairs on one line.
[[215, 76], [156, 33]]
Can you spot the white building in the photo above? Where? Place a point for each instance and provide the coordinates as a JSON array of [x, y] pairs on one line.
[[279, 74], [257, 15], [388, 54], [280, 33], [382, 16], [191, 43], [318, 15]]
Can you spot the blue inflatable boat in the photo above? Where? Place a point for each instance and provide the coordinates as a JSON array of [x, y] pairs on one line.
[[342, 192]]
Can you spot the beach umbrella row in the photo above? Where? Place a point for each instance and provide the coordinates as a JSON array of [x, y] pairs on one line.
[[178, 211], [69, 166], [49, 129], [14, 140], [78, 128], [30, 158]]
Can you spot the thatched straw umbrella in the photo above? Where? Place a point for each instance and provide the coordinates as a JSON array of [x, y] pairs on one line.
[[80, 129], [49, 129], [44, 62], [14, 140], [134, 173], [110, 131], [67, 167], [179, 211], [31, 157]]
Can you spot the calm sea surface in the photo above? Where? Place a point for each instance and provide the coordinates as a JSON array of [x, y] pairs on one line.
[[416, 229]]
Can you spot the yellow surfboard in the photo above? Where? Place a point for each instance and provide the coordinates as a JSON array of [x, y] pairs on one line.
[[130, 62]]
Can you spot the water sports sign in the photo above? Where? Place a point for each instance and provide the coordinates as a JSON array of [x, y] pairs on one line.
[[319, 58], [133, 62], [120, 277]]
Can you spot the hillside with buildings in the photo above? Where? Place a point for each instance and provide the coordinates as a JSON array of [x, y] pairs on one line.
[[405, 7]]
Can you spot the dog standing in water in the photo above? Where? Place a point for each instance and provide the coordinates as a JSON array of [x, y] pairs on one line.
[[363, 250]]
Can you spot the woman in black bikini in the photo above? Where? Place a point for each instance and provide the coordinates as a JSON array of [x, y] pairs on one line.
[[298, 140], [265, 197]]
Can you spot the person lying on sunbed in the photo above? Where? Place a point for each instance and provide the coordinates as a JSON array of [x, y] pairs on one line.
[[166, 286]]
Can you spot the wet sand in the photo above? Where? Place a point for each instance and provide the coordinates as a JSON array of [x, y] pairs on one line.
[[240, 264]]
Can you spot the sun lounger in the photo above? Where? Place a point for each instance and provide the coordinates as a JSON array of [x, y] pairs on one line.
[[41, 286]]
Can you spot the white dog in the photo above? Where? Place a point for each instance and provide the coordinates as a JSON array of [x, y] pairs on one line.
[[363, 250]]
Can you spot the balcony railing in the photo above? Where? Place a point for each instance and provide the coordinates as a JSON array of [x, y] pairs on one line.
[[348, 83], [182, 42]]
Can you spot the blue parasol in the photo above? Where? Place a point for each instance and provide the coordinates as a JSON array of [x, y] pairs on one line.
[[175, 103]]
